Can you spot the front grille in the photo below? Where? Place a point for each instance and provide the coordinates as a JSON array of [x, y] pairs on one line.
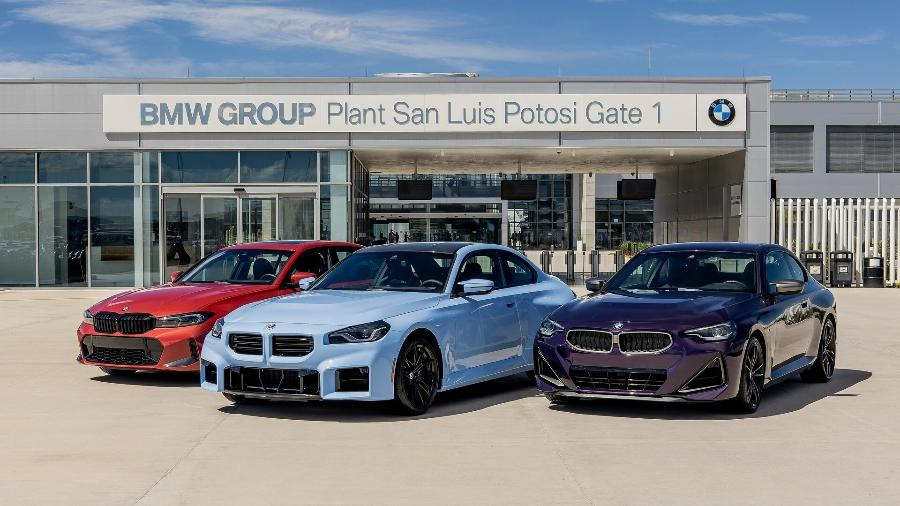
[[713, 375], [611, 378], [292, 346], [121, 350], [134, 323], [644, 342], [272, 381], [590, 340], [246, 344]]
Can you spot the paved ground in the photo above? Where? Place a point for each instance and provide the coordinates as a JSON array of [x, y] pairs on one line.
[[69, 434]]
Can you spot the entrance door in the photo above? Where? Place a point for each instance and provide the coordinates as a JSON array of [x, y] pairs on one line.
[[198, 224]]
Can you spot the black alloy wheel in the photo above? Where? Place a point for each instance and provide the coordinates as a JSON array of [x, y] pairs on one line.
[[753, 370], [112, 371], [417, 375], [822, 369]]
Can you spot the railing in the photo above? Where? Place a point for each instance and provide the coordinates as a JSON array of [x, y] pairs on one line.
[[838, 95]]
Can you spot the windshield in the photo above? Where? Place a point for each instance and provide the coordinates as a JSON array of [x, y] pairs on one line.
[[409, 271], [253, 266], [695, 271]]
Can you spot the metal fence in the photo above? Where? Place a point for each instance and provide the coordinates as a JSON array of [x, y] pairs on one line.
[[839, 95], [865, 226]]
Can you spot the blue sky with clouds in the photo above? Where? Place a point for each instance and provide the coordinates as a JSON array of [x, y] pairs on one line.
[[799, 43]]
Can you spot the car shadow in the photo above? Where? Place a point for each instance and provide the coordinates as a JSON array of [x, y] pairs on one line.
[[454, 402], [785, 397], [153, 379]]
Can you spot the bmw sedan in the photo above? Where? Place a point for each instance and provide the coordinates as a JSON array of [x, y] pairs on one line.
[[397, 322], [694, 322]]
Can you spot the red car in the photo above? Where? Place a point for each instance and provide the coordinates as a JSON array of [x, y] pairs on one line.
[[163, 327]]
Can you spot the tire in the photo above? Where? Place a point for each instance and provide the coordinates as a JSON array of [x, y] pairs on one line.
[[822, 369], [240, 399], [530, 375], [752, 378], [561, 399], [417, 376], [112, 371]]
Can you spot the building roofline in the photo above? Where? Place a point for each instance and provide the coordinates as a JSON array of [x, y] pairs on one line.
[[436, 79]]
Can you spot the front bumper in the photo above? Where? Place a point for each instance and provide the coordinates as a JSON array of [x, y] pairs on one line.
[[321, 374], [670, 375], [170, 349]]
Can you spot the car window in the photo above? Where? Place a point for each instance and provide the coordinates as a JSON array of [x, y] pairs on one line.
[[779, 268], [517, 271], [796, 271], [314, 261], [664, 271], [239, 266], [481, 266], [338, 254], [419, 271]]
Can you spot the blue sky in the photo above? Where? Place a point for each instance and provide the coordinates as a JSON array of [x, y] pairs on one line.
[[804, 44]]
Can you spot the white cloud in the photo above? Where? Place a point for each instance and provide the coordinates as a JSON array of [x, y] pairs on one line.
[[834, 40], [712, 20]]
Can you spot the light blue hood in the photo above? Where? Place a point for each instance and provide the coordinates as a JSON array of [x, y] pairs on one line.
[[344, 307]]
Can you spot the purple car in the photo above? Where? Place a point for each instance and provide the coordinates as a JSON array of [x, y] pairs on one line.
[[693, 322]]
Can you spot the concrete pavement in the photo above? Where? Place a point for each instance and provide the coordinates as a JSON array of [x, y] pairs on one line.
[[69, 434]]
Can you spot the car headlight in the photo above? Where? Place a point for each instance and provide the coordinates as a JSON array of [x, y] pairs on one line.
[[364, 333], [217, 328], [182, 320], [718, 332], [549, 327], [88, 317]]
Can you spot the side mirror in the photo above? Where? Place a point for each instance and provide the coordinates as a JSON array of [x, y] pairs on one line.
[[475, 286], [786, 287], [175, 275], [593, 284], [302, 280]]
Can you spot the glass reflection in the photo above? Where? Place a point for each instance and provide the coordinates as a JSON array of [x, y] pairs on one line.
[[17, 168], [112, 235], [62, 167], [182, 233], [219, 223], [297, 217], [278, 166], [115, 167], [62, 236], [17, 236], [199, 167]]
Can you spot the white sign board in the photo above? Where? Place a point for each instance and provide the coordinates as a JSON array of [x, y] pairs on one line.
[[419, 113]]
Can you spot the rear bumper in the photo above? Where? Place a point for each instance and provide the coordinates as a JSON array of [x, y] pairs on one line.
[[675, 371], [176, 349]]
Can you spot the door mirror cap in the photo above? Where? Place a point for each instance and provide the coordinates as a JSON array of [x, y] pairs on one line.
[[175, 275], [593, 284], [475, 286], [786, 287], [302, 280]]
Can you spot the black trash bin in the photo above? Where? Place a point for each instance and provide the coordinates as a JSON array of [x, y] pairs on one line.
[[814, 261], [840, 268], [873, 272], [620, 259], [570, 265], [546, 257]]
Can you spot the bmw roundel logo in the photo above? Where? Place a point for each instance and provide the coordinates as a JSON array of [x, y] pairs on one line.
[[721, 112]]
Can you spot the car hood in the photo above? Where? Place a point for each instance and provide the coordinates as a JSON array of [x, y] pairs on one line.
[[176, 298], [343, 307], [667, 310]]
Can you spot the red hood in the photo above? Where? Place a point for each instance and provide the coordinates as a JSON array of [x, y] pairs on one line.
[[176, 298]]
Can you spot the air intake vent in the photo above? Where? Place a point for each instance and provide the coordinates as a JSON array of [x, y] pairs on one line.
[[615, 379], [712, 376]]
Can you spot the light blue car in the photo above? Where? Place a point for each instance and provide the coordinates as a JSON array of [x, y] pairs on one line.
[[397, 322]]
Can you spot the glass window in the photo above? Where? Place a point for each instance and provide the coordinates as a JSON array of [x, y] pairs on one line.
[[16, 168], [112, 235], [779, 268], [62, 167], [250, 266], [183, 241], [517, 271], [686, 271], [199, 167], [334, 212], [17, 242], [150, 230], [334, 166], [296, 217], [278, 166], [150, 164], [314, 261], [62, 236], [481, 266], [115, 167], [413, 271]]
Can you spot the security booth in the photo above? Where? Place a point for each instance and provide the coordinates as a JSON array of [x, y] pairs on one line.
[[814, 261], [840, 268], [873, 272]]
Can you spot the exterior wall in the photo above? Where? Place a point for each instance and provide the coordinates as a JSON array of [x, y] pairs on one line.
[[820, 183]]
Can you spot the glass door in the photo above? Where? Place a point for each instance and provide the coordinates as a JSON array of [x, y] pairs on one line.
[[182, 230], [258, 217]]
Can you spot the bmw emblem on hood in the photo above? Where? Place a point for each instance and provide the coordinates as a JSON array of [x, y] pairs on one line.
[[721, 112], [618, 326], [270, 326]]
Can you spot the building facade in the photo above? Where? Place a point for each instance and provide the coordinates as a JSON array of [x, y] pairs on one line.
[[121, 182]]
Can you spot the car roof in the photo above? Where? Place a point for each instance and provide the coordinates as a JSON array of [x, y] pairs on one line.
[[429, 247], [735, 247], [297, 245]]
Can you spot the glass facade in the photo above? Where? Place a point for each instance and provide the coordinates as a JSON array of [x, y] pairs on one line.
[[618, 221], [131, 218]]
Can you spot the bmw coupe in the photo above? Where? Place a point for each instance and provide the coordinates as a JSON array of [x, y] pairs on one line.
[[396, 322], [695, 322]]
